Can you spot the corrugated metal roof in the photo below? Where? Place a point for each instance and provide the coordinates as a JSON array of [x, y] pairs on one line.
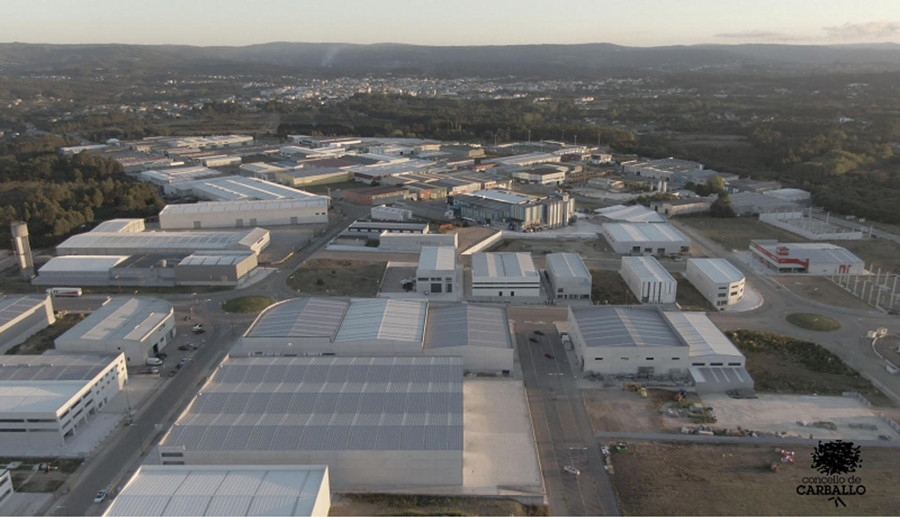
[[718, 270], [648, 269], [631, 214], [12, 308], [52, 367], [503, 196], [213, 259], [644, 232], [383, 318], [567, 265], [212, 207], [220, 490], [82, 264], [121, 317], [183, 240], [437, 258], [301, 317], [467, 325], [701, 334], [624, 327], [233, 188], [37, 397], [327, 403], [816, 252], [177, 174], [487, 265]]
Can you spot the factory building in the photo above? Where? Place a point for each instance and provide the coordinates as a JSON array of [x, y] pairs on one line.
[[717, 280], [645, 238], [814, 258], [163, 178], [645, 341], [214, 490], [542, 175], [675, 207], [388, 213], [136, 327], [630, 214], [148, 243], [478, 334], [436, 272], [240, 214], [568, 276], [504, 275], [648, 280], [23, 316], [516, 211], [661, 169], [205, 268], [45, 399], [379, 423]]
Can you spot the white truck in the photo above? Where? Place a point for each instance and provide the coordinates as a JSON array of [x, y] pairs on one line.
[[64, 291]]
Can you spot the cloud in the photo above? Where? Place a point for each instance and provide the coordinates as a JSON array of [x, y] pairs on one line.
[[757, 35], [854, 31]]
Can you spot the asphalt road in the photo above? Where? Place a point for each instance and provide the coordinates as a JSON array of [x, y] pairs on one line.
[[562, 429]]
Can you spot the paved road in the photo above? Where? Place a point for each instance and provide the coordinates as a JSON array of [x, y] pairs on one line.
[[562, 429]]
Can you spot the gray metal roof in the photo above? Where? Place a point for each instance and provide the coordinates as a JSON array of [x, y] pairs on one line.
[[326, 403], [14, 307], [183, 240], [467, 325], [567, 265], [624, 327], [220, 490], [437, 258], [631, 214], [648, 269], [701, 334], [212, 207], [383, 318], [121, 318], [644, 232], [52, 367], [234, 188], [487, 265], [214, 259], [718, 270], [814, 251], [82, 263], [301, 317]]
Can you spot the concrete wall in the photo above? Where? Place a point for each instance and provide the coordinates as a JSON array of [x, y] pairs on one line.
[[506, 287], [413, 242], [446, 281]]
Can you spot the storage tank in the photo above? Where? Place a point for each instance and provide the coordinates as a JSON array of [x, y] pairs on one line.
[[22, 249]]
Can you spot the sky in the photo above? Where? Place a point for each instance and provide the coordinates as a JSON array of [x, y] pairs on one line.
[[642, 23]]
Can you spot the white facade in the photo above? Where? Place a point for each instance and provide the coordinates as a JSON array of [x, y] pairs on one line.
[[388, 213], [717, 280], [648, 280], [814, 258], [23, 316], [568, 276], [136, 327], [45, 399], [645, 238], [414, 242], [436, 272], [249, 490], [504, 275], [240, 214], [542, 175]]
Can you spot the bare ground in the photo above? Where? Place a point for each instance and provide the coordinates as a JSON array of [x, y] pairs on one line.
[[389, 504], [819, 289], [330, 277]]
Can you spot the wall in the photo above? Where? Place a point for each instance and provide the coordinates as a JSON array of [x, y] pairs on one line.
[[733, 292], [649, 291], [414, 242], [247, 216]]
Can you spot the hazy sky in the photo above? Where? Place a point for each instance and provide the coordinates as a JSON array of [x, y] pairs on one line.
[[450, 22]]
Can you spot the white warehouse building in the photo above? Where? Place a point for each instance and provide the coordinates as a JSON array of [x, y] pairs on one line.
[[23, 316], [214, 490], [136, 327], [814, 258], [648, 280], [240, 214], [645, 238], [717, 280], [568, 276], [504, 275], [145, 243], [44, 399], [379, 423], [436, 272]]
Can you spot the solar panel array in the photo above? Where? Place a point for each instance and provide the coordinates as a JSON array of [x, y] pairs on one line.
[[327, 403]]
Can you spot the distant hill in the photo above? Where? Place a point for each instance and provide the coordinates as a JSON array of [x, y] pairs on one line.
[[518, 60]]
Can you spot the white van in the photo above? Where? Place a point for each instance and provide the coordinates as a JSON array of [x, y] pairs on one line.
[[153, 361]]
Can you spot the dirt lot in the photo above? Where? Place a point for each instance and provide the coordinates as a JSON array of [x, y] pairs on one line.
[[331, 277], [736, 233], [688, 297], [882, 253], [588, 248], [609, 288], [626, 411], [26, 479], [385, 504], [669, 479], [820, 289]]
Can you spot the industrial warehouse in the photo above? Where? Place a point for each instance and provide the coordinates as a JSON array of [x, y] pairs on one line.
[[645, 238], [383, 327], [44, 399], [436, 271], [814, 258], [504, 276], [649, 342], [136, 327], [568, 276], [379, 423], [515, 211], [22, 317], [289, 490], [717, 280], [648, 280], [98, 242]]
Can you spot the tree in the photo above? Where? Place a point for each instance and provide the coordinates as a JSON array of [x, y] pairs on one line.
[[721, 207]]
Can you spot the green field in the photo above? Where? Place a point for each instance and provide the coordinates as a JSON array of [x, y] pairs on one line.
[[689, 298], [813, 321], [736, 233], [43, 340], [247, 304], [609, 289], [327, 277]]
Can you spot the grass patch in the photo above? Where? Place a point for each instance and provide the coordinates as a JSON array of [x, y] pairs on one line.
[[608, 288], [883, 253], [247, 304], [389, 504], [737, 232], [782, 364], [688, 297], [326, 277], [810, 321], [43, 340]]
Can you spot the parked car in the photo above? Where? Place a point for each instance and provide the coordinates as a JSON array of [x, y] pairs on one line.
[[153, 361], [548, 356], [198, 329], [100, 497], [162, 355], [538, 332], [534, 340], [571, 469]]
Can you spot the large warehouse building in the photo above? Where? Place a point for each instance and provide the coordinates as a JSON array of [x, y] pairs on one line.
[[23, 316], [815, 258], [630, 214], [214, 490], [646, 341], [478, 334], [645, 238], [648, 280], [504, 275], [568, 276], [147, 243], [379, 423], [517, 211], [717, 280], [44, 399], [136, 327]]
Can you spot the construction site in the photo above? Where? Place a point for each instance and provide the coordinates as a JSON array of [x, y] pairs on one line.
[[809, 227]]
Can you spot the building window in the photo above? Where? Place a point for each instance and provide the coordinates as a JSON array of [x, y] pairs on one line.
[[648, 359], [676, 359], [734, 364], [715, 364], [598, 359], [624, 358], [698, 364]]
